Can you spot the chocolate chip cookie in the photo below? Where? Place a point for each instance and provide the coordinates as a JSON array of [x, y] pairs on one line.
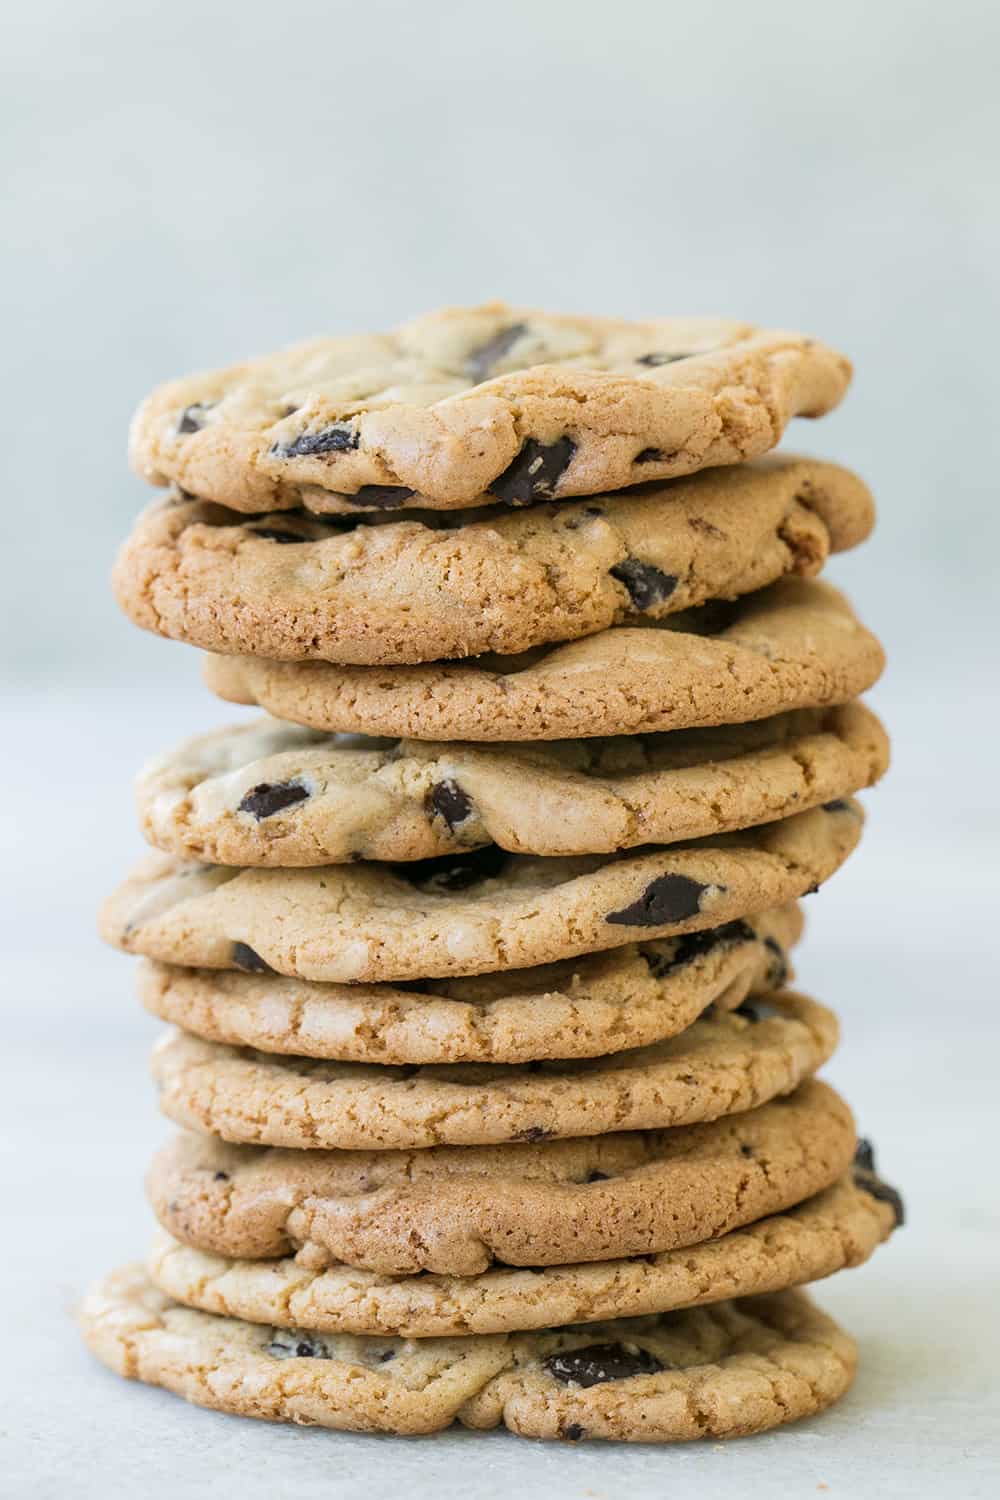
[[391, 590], [490, 402]]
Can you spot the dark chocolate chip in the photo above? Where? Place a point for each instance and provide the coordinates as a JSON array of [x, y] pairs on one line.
[[220, 1177], [480, 362], [746, 1150], [654, 360], [864, 1155], [598, 1176], [596, 1363], [454, 872], [340, 438], [692, 945], [573, 1433], [668, 898], [380, 496], [276, 534], [646, 585], [533, 1133], [777, 970], [839, 804], [192, 417], [244, 957], [287, 1343], [267, 798], [534, 472], [812, 889], [386, 1355], [448, 800]]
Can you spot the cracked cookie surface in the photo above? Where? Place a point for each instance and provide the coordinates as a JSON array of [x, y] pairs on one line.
[[417, 588], [724, 1062], [726, 1370], [586, 1007], [468, 913], [279, 794], [796, 644], [486, 402], [455, 1210], [836, 1229]]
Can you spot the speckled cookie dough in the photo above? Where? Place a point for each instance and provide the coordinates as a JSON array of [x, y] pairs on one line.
[[425, 586], [455, 1210], [796, 644], [585, 1007], [726, 1370], [467, 913], [832, 1231], [724, 1062], [278, 794], [490, 402]]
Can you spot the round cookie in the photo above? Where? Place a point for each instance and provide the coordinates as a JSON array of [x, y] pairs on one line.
[[467, 913], [585, 1007], [454, 1210], [727, 1370], [489, 402], [269, 793], [796, 644], [838, 1228], [724, 1062], [416, 588]]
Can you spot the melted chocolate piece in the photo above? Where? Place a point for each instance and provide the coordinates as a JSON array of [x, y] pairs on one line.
[[245, 958], [191, 418], [480, 362], [596, 1176], [646, 585], [454, 872], [277, 534], [839, 804], [288, 1343], [573, 1433], [380, 496], [777, 971], [694, 944], [341, 437], [533, 1133], [864, 1155], [534, 472], [668, 898], [596, 1363], [449, 800], [268, 798], [654, 360], [865, 1174], [220, 1177]]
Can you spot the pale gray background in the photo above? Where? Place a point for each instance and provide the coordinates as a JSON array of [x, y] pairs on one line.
[[190, 182]]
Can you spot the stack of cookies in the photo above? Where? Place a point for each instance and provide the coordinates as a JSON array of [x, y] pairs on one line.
[[496, 1104]]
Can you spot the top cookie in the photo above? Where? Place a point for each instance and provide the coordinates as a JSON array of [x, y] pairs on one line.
[[487, 402]]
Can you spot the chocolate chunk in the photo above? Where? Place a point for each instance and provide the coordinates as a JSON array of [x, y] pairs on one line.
[[448, 800], [534, 473], [277, 534], [480, 362], [244, 957], [777, 969], [220, 1177], [192, 417], [287, 1343], [341, 437], [839, 804], [533, 1133], [668, 898], [596, 1176], [864, 1155], [454, 872], [692, 945], [596, 1363], [746, 1150], [267, 798], [380, 496], [573, 1433], [646, 585], [655, 360]]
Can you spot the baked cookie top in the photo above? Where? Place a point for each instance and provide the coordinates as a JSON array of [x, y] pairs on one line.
[[838, 1228], [270, 793], [454, 1210], [467, 913], [590, 1006], [724, 1062], [396, 590], [796, 644], [725, 1370], [488, 402]]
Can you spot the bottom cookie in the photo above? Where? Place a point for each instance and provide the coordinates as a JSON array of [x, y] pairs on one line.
[[727, 1370]]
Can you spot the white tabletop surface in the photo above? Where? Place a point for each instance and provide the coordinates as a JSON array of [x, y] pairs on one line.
[[898, 943]]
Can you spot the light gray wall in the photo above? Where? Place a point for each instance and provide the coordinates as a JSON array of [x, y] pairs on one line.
[[193, 181]]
